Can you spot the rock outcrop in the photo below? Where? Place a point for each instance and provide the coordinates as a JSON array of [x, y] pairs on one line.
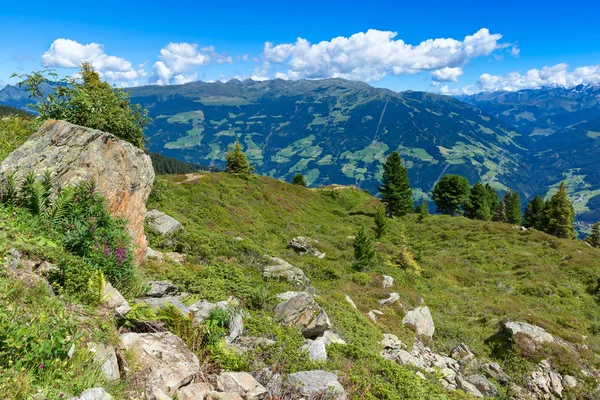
[[123, 173], [303, 311], [305, 246], [161, 289], [280, 269]]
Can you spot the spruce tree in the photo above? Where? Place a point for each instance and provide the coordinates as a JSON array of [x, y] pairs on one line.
[[534, 213], [560, 215], [381, 222], [395, 189], [450, 194], [500, 213], [364, 250], [594, 238], [478, 206], [237, 163], [298, 179], [423, 211], [492, 197], [512, 204]]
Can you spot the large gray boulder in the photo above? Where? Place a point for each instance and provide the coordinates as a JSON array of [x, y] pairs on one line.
[[420, 321], [122, 173], [162, 223], [282, 270], [304, 312], [311, 384], [241, 383], [536, 333], [168, 363]]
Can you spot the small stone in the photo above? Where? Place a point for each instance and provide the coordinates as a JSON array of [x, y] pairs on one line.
[[45, 268], [317, 383], [280, 269], [162, 223], [115, 301], [161, 289], [420, 321], [316, 349], [494, 371], [13, 259], [107, 358], [372, 317], [193, 391], [241, 383], [569, 381], [388, 281], [394, 297], [349, 300], [482, 384], [302, 311], [330, 337], [94, 394], [154, 255], [468, 387]]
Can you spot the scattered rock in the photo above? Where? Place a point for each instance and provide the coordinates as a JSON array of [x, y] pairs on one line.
[[94, 394], [241, 383], [302, 311], [303, 245], [538, 334], [168, 361], [280, 269], [311, 384], [158, 303], [162, 223], [388, 281], [115, 301], [494, 371], [122, 173], [467, 387], [194, 391], [107, 358], [203, 308], [13, 259], [394, 297], [420, 321], [45, 269], [482, 384], [330, 337], [545, 381], [372, 317], [161, 289], [245, 343], [236, 327], [154, 255], [349, 300], [569, 381], [316, 349], [390, 341]]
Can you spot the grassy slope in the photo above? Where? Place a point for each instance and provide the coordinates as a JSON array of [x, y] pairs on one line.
[[475, 273]]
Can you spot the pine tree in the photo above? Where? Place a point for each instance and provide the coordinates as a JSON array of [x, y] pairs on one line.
[[560, 215], [534, 213], [423, 211], [237, 163], [395, 189], [450, 194], [478, 206], [364, 250], [298, 179], [381, 223], [492, 197], [594, 238], [513, 207], [500, 213]]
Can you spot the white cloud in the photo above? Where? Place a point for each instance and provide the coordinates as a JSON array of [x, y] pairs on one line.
[[556, 75], [375, 54], [178, 62], [515, 51], [1, 84], [66, 53], [446, 74], [470, 89]]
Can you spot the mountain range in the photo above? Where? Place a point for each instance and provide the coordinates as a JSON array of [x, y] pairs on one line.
[[336, 131]]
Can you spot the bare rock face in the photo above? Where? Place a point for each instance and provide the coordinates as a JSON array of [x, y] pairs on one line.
[[122, 172]]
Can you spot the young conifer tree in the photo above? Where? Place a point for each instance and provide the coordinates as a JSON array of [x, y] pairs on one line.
[[364, 250], [237, 163], [395, 189], [560, 215], [381, 223]]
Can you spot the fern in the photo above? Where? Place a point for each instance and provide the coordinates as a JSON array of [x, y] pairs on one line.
[[140, 314], [59, 210], [96, 286], [9, 192], [185, 327], [35, 194]]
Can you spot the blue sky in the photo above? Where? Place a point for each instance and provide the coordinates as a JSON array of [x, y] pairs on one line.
[[440, 46]]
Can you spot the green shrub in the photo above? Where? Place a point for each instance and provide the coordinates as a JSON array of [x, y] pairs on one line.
[[362, 279]]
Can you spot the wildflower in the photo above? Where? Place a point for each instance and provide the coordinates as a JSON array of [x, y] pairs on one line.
[[42, 366]]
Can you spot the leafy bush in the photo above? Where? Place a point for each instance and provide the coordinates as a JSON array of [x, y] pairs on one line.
[[89, 102]]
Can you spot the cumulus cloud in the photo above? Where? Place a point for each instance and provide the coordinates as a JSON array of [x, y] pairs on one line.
[[178, 62], [556, 75], [66, 53], [374, 54], [446, 74], [1, 84]]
